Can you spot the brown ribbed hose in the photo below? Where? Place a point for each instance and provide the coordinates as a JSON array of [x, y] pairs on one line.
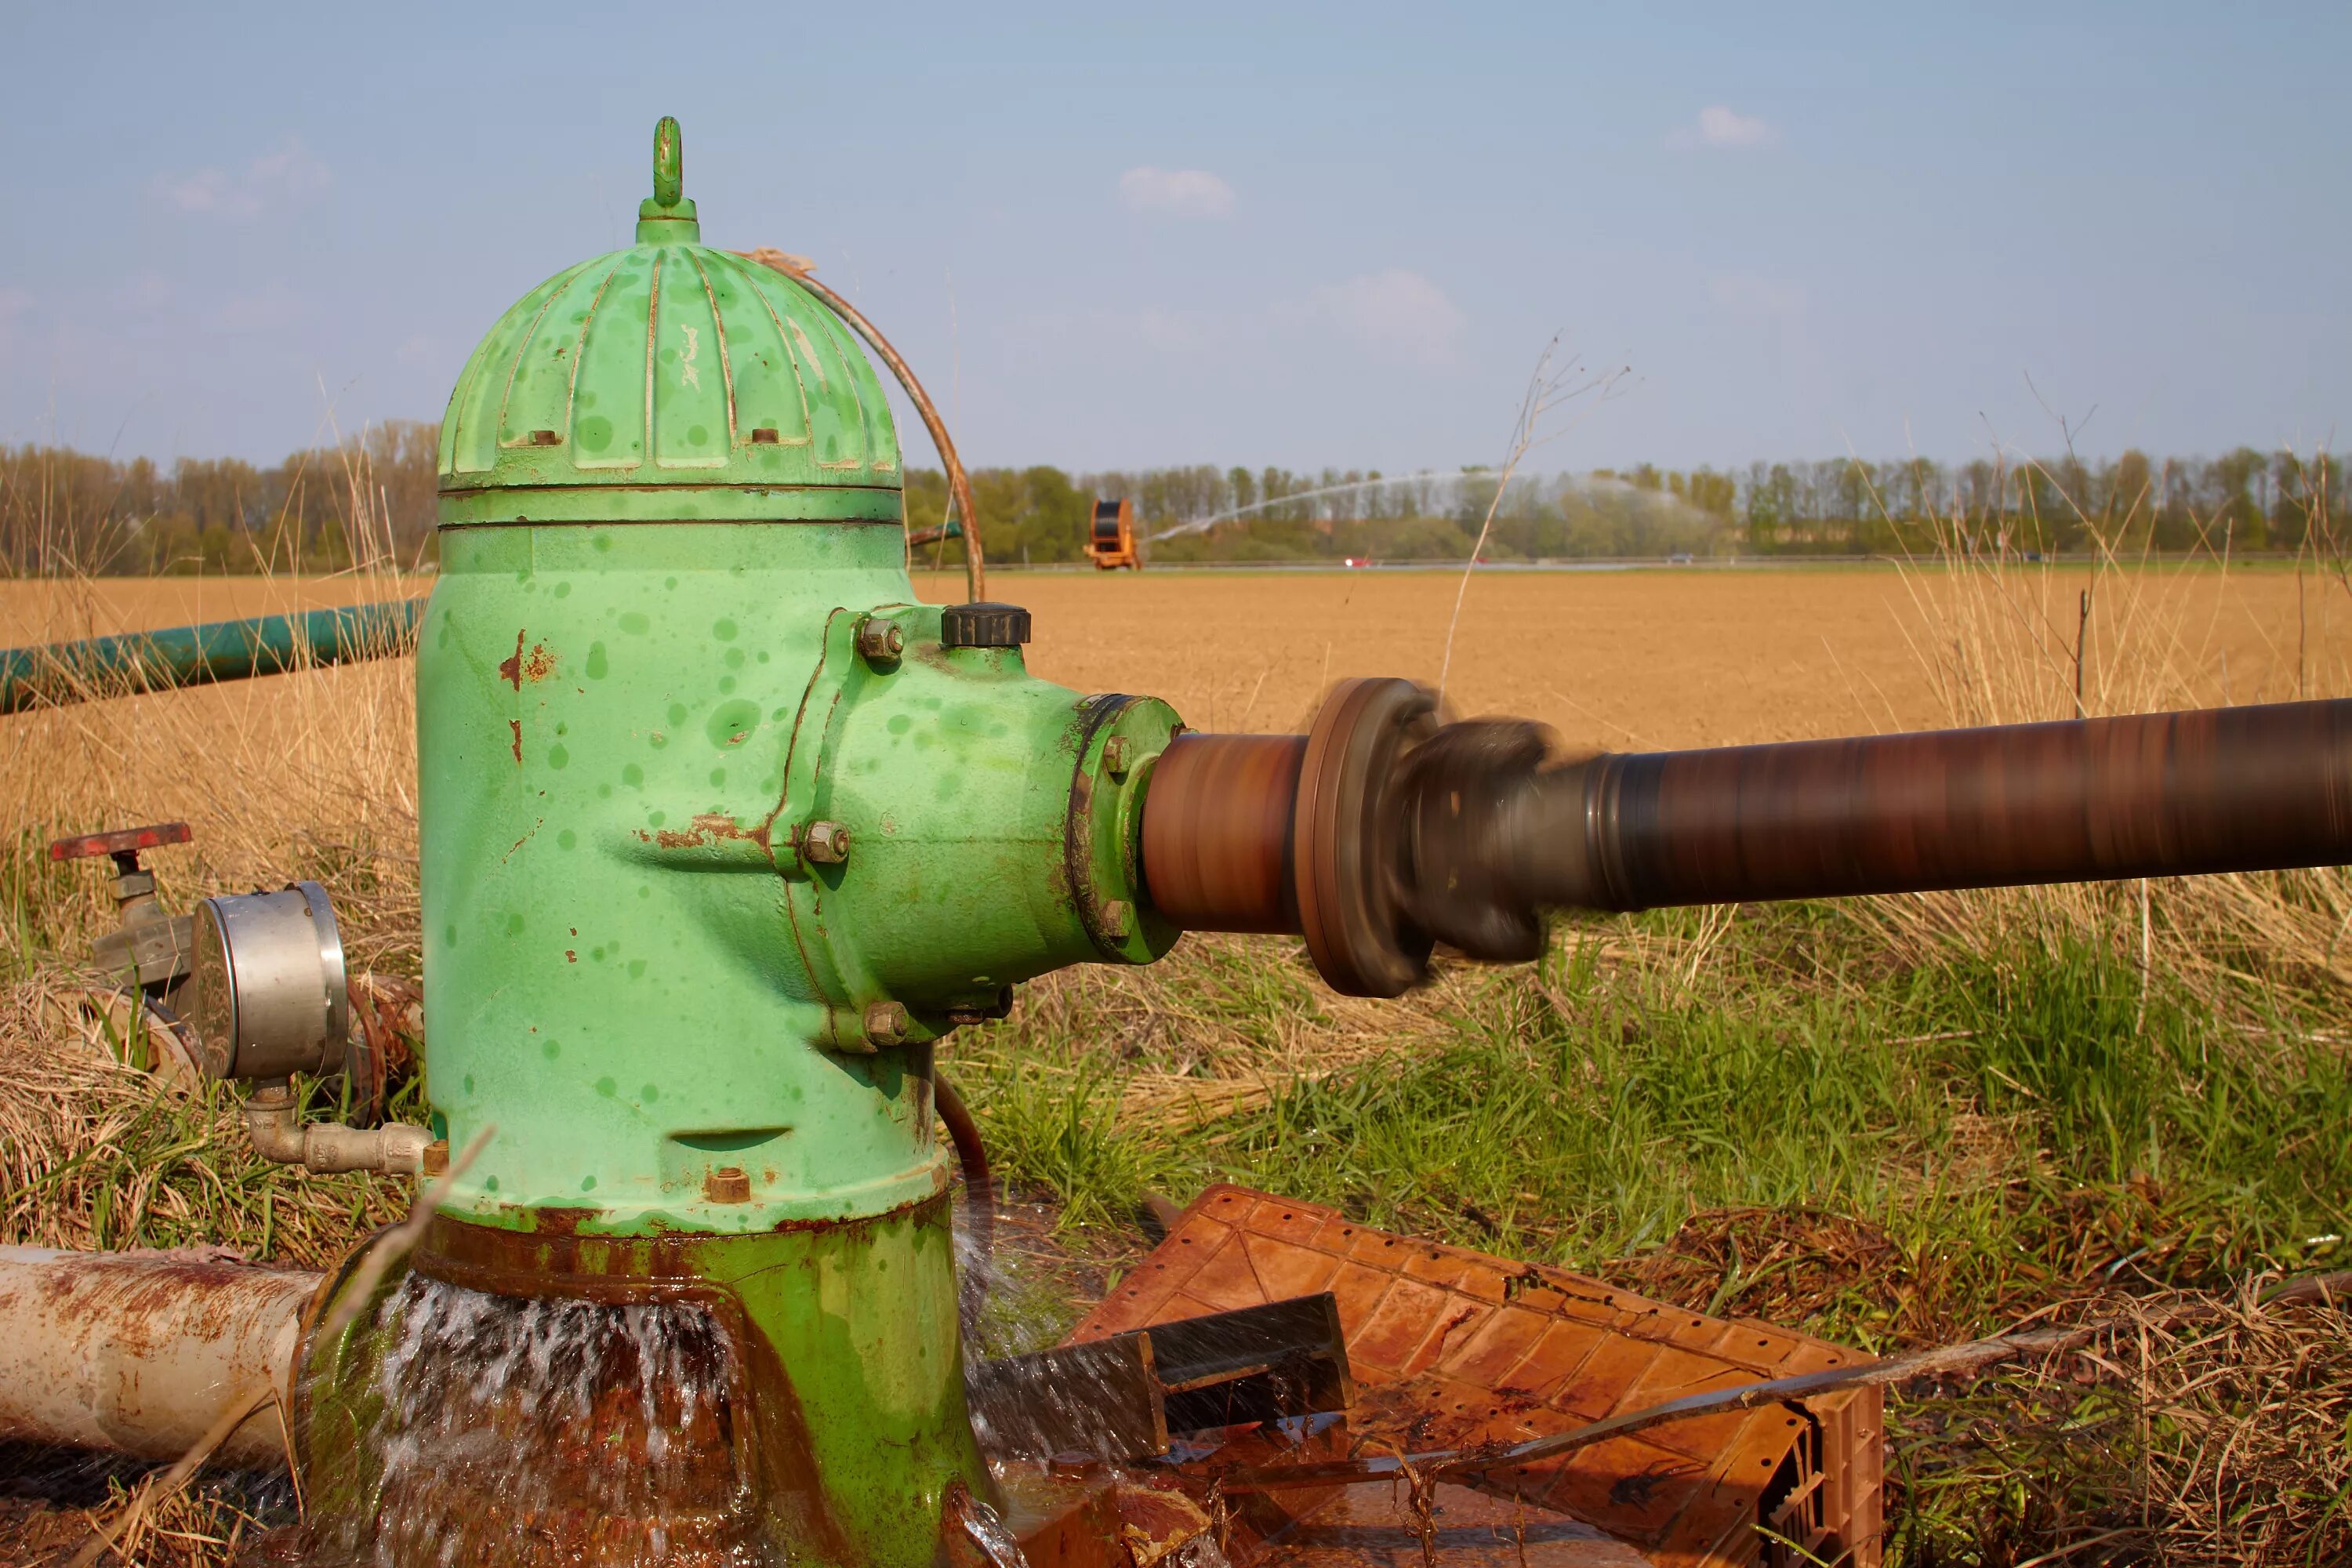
[[2157, 794]]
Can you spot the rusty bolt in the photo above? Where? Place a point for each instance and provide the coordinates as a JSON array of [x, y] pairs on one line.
[[1117, 919], [880, 641], [826, 843], [434, 1160], [727, 1184], [1115, 756], [886, 1024]]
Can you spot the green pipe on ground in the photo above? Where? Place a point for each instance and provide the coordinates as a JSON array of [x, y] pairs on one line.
[[53, 674]]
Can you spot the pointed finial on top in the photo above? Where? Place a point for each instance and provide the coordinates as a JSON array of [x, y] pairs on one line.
[[668, 217], [669, 161]]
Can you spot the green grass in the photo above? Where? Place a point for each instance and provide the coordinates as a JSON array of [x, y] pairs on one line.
[[1805, 1132], [2015, 1129]]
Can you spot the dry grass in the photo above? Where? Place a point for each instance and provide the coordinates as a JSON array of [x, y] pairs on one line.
[[310, 774], [200, 1527], [2247, 1428], [2005, 640], [2224, 1441], [96, 1152]]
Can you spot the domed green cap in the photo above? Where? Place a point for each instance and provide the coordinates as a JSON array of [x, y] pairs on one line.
[[669, 382]]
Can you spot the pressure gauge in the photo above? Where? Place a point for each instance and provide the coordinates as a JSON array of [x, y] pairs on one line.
[[271, 996]]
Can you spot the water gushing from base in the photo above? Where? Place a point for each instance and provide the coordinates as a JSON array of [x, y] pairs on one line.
[[498, 1430]]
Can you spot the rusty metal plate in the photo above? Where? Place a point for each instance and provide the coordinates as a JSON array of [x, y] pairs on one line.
[[1118, 1398], [1261, 1363], [1450, 1347], [1375, 1526], [1100, 1399]]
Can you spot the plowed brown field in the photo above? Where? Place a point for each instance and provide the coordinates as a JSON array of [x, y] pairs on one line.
[[1616, 658]]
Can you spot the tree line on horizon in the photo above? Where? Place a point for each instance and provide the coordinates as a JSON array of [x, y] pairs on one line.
[[373, 497]]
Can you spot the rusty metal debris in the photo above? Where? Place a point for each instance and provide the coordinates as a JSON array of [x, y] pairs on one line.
[[1451, 1348], [1118, 1398]]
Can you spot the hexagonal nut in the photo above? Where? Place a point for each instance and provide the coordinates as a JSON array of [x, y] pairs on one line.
[[825, 843], [727, 1184], [887, 1024], [435, 1160], [1116, 756], [880, 641], [1117, 919]]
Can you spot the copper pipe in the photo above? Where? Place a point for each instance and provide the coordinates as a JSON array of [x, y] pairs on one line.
[[1216, 831], [975, 570], [2157, 794]]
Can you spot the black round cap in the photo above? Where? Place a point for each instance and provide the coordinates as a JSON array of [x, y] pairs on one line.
[[983, 624]]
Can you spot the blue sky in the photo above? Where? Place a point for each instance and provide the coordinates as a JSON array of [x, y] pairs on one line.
[[1253, 234]]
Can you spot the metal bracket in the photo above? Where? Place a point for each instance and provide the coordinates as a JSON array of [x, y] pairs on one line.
[[1121, 1398]]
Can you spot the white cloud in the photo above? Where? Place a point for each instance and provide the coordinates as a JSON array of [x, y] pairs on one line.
[[1176, 193], [1719, 125], [289, 174], [1396, 312]]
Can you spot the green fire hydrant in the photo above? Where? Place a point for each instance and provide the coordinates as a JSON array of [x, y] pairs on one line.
[[720, 831]]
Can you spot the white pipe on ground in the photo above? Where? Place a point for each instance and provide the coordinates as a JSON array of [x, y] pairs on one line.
[[141, 1353]]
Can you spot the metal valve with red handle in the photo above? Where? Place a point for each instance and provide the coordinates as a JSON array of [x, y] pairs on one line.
[[149, 944]]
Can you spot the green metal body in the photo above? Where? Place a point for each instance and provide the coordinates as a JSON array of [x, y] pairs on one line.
[[194, 655], [630, 971], [702, 1058]]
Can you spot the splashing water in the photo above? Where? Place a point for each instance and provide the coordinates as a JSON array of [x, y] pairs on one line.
[[493, 1430], [1025, 1301], [506, 1430], [985, 1529]]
